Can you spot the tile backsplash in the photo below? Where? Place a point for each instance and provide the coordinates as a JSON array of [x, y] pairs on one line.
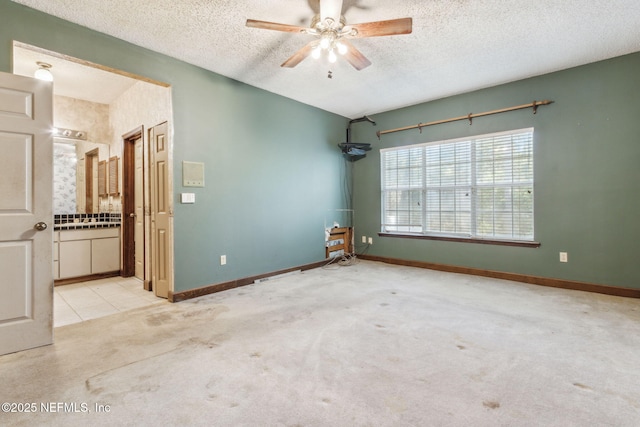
[[97, 220]]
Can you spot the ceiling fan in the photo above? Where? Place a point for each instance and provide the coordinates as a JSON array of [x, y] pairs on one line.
[[332, 34]]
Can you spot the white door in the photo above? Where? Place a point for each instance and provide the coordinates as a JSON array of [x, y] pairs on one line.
[[161, 213], [26, 217]]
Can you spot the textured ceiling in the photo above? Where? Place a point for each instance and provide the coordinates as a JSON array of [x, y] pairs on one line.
[[456, 45]]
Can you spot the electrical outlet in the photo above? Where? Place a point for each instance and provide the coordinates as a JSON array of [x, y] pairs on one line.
[[223, 259], [370, 241], [364, 239], [563, 257]]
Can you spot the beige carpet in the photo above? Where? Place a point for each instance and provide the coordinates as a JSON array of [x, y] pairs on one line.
[[365, 345]]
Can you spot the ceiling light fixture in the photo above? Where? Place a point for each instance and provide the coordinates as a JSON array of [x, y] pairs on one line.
[[69, 133], [43, 73], [331, 33]]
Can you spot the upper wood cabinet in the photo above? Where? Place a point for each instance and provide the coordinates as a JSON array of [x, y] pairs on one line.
[[113, 176], [102, 178]]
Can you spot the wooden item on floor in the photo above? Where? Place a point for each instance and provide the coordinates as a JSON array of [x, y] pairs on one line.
[[339, 233]]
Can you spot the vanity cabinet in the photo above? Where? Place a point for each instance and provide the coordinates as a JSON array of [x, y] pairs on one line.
[[105, 255], [75, 257], [87, 252]]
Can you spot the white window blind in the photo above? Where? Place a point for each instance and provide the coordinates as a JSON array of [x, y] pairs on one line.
[[479, 187]]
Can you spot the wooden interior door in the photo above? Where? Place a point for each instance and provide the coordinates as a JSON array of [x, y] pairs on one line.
[[133, 221], [161, 212], [26, 213]]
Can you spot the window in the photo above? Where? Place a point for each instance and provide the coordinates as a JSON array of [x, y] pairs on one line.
[[479, 187]]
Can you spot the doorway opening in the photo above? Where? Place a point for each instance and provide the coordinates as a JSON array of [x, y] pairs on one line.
[[115, 109]]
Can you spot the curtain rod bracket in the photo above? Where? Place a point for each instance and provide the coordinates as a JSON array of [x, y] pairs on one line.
[[470, 118], [378, 134], [420, 127], [535, 107]]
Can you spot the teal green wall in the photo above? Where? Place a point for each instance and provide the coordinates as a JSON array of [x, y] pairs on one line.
[[587, 173], [272, 168]]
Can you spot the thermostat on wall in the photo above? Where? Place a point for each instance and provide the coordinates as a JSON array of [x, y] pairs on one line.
[[192, 174]]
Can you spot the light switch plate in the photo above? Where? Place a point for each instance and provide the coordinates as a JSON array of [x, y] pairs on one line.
[[187, 198]]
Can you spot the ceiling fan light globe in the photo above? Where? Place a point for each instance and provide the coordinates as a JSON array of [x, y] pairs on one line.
[[342, 48], [325, 42], [315, 53], [332, 56]]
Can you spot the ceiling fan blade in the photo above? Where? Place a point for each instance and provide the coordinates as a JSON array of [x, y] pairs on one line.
[[391, 27], [331, 9], [355, 57], [301, 54], [265, 25]]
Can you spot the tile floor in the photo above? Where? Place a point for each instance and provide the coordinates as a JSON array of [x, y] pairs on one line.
[[98, 298]]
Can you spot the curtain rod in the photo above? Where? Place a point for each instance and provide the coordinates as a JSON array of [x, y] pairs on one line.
[[470, 117]]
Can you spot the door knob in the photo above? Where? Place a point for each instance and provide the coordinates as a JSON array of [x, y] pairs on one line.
[[132, 215], [40, 226]]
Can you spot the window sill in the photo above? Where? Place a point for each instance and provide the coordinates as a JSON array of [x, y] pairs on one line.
[[518, 243]]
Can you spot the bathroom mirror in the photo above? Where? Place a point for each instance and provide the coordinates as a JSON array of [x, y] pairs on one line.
[[76, 176]]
